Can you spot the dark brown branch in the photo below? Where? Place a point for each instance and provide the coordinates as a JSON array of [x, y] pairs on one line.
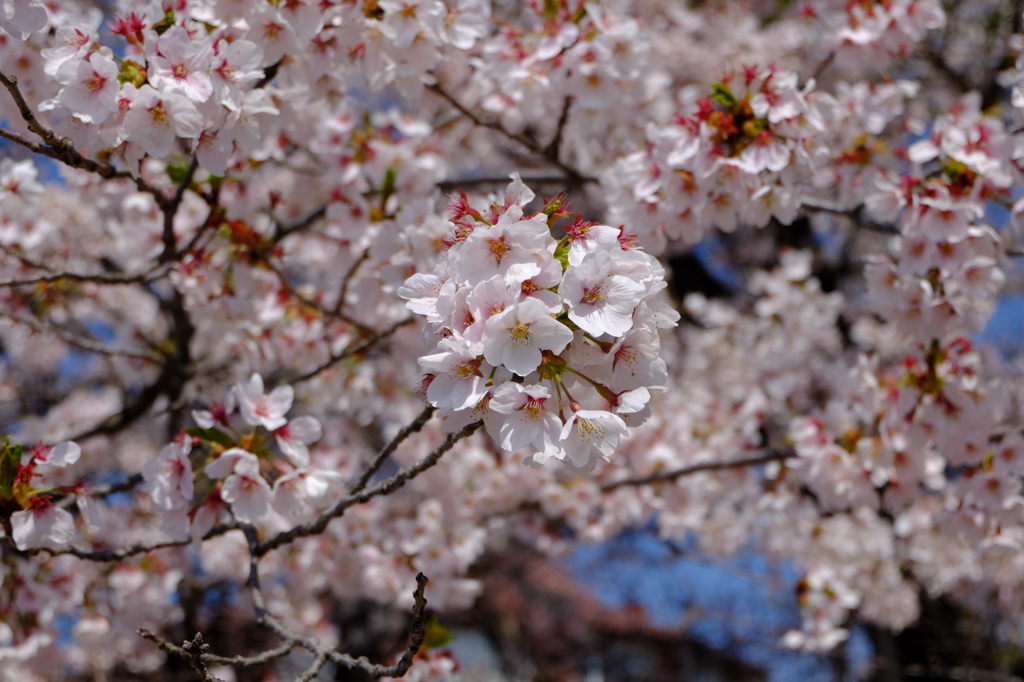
[[281, 231], [286, 285], [355, 350], [62, 149], [554, 149], [347, 279], [574, 175], [418, 627], [671, 475], [105, 278], [854, 213], [193, 651], [170, 209], [416, 425], [80, 343], [448, 186], [176, 371], [385, 487], [107, 555]]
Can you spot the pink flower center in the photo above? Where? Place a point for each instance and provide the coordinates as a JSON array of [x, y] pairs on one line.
[[500, 248], [592, 296], [95, 83]]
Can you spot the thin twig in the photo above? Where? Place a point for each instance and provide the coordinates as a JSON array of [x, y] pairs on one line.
[[574, 175], [263, 617], [193, 651], [348, 278], [672, 475], [104, 278], [336, 312], [256, 659], [281, 230], [385, 487], [62, 149], [319, 661], [107, 555], [416, 425], [80, 343], [554, 149], [854, 213], [353, 351], [170, 209]]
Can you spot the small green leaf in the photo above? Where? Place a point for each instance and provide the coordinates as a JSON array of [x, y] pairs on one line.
[[10, 458], [721, 93], [161, 26], [388, 188], [212, 435], [177, 169], [131, 72], [562, 254], [436, 635]]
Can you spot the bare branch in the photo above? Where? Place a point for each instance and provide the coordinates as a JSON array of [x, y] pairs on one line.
[[313, 305], [496, 181], [347, 279], [170, 209], [192, 651], [107, 555], [62, 149], [80, 343], [854, 213], [105, 278], [355, 350], [386, 487], [281, 231], [319, 661], [574, 175], [263, 617], [554, 149], [665, 476], [257, 659], [112, 278], [414, 426]]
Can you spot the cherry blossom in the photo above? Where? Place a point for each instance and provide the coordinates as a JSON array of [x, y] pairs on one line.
[[42, 525], [767, 328], [263, 409]]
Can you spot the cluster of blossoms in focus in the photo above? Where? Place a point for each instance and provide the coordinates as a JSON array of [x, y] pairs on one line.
[[532, 328]]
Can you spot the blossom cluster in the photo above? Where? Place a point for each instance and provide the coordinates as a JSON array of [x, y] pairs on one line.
[[236, 468], [525, 319], [269, 213]]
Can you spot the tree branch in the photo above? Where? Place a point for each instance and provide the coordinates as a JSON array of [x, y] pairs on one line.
[[574, 175], [192, 651], [674, 474], [356, 350], [854, 213], [411, 428], [418, 627], [170, 209], [80, 343], [62, 149], [281, 230], [448, 186], [347, 279], [554, 149], [107, 555], [386, 487]]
